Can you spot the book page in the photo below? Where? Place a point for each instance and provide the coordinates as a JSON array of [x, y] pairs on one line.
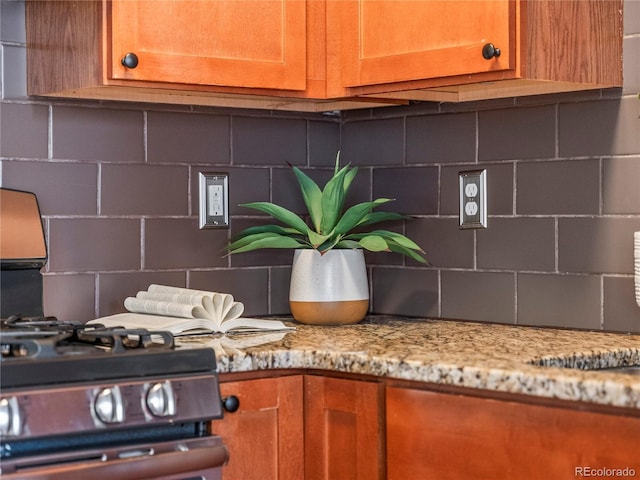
[[242, 324], [154, 307], [189, 326], [219, 306], [174, 325]]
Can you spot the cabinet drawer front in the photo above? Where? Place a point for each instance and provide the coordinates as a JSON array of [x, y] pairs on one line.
[[398, 40], [254, 43]]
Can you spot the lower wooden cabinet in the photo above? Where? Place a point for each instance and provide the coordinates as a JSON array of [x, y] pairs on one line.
[[303, 427], [316, 427], [343, 438], [265, 435], [447, 436]]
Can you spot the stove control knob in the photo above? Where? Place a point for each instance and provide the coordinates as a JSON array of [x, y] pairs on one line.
[[108, 405], [161, 401], [10, 418]]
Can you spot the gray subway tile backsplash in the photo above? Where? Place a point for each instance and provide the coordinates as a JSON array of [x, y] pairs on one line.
[[620, 307], [559, 300], [517, 133], [621, 185], [414, 190], [558, 188], [93, 244], [443, 241], [268, 141], [480, 296], [176, 243], [442, 138], [373, 142], [411, 292], [62, 188], [144, 189], [118, 190], [177, 137], [596, 245], [98, 134], [24, 130], [599, 128], [518, 243]]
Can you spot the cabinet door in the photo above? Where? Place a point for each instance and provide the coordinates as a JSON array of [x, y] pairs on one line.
[[265, 435], [385, 41], [444, 436], [236, 43], [343, 436]]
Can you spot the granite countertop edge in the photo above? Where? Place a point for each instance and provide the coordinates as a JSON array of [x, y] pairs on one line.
[[494, 357]]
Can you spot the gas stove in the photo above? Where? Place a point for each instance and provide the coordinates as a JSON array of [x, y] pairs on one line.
[[73, 393]]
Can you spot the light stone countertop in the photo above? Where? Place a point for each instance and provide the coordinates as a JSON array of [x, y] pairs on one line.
[[502, 358]]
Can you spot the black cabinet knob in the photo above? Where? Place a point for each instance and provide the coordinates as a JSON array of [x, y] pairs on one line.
[[231, 403], [130, 60], [489, 51]]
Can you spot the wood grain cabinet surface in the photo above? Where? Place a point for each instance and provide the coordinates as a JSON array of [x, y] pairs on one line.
[[303, 427], [434, 50], [254, 44], [317, 55], [343, 429], [448, 436], [322, 427], [265, 435]]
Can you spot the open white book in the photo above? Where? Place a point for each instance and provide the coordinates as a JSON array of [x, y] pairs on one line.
[[183, 311]]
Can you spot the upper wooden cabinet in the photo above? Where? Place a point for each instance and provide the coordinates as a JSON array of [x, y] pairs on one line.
[[396, 41], [317, 55], [256, 44], [436, 53]]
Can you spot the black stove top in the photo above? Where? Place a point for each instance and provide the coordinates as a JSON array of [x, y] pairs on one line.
[[40, 351], [46, 337]]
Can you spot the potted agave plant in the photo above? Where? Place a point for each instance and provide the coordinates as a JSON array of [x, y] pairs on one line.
[[328, 279]]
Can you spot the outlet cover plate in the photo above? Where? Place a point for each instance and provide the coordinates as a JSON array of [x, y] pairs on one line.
[[214, 200], [473, 199]]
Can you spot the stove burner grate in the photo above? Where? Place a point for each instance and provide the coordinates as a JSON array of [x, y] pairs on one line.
[[44, 337]]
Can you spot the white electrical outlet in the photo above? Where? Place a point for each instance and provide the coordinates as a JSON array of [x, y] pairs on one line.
[[473, 199], [214, 200]]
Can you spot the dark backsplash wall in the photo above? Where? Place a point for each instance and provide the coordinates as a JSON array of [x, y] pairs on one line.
[[117, 185]]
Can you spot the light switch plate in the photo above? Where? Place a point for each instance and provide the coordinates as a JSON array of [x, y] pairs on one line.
[[473, 199], [214, 200]]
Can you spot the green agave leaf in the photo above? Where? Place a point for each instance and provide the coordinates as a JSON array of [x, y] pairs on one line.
[[265, 228], [377, 217], [398, 238], [374, 243], [280, 213], [345, 243], [332, 201], [312, 196], [332, 242], [394, 247], [265, 240], [317, 239], [354, 215], [247, 239], [348, 178]]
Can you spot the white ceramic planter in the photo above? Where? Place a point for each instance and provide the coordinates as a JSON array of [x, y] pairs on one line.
[[329, 289]]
